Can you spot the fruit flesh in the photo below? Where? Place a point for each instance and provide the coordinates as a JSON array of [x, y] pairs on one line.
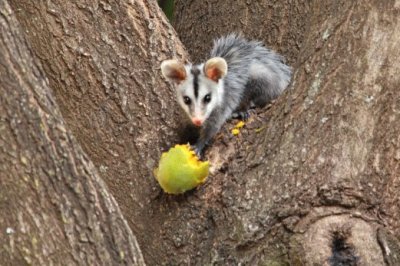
[[180, 170]]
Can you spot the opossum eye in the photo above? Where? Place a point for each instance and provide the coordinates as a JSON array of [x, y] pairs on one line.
[[187, 100], [207, 98]]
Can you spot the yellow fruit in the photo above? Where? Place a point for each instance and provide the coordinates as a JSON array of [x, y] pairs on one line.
[[180, 170], [235, 131], [240, 124]]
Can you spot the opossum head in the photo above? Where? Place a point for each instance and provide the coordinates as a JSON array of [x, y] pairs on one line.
[[199, 88]]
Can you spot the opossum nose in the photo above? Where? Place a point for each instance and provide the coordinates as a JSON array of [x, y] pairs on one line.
[[197, 121]]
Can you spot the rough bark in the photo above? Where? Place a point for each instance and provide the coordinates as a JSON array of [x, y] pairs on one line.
[[54, 207], [320, 180], [102, 59], [318, 171], [281, 24]]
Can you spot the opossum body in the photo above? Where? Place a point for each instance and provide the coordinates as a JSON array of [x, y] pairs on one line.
[[239, 73]]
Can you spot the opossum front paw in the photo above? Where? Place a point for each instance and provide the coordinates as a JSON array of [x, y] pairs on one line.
[[243, 115], [198, 149]]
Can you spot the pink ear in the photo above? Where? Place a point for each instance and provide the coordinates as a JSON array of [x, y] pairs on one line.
[[173, 71], [215, 68], [213, 73]]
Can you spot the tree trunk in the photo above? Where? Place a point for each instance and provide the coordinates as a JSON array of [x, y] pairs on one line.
[[311, 180], [102, 59], [321, 180], [54, 207], [282, 25]]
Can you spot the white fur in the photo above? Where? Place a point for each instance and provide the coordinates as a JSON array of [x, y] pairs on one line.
[[184, 89], [207, 86], [258, 70], [199, 109]]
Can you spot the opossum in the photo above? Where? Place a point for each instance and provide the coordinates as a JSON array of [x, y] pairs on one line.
[[239, 74]]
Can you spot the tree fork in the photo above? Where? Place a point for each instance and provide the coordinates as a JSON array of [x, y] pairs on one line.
[[331, 142]]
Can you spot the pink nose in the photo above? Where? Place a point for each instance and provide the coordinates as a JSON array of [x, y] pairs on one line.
[[197, 121]]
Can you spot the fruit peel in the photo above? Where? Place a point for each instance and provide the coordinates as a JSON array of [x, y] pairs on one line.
[[236, 130], [240, 124], [180, 170]]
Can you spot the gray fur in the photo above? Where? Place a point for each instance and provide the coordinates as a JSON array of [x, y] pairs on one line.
[[243, 84], [242, 81], [255, 76]]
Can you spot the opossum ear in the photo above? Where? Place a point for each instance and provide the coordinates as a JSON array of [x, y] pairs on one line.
[[215, 68], [173, 70]]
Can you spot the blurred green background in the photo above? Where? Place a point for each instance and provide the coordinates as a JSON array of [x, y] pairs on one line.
[[168, 7]]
